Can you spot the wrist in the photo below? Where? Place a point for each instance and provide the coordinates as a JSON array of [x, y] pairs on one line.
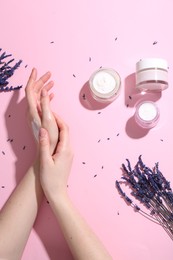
[[57, 197]]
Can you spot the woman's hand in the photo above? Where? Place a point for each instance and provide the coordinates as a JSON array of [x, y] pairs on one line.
[[39, 101], [54, 170]]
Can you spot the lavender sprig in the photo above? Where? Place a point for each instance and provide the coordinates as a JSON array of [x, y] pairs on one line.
[[6, 71], [151, 189]]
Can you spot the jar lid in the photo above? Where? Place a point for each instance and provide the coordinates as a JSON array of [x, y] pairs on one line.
[[149, 63], [152, 74]]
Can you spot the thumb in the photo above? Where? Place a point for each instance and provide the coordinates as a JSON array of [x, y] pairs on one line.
[[44, 145]]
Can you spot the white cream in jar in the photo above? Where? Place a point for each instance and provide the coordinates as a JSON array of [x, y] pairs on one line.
[[105, 84], [147, 114]]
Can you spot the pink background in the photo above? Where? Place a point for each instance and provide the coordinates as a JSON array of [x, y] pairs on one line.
[[81, 30]]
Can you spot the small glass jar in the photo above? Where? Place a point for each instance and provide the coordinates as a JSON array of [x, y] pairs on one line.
[[147, 114], [105, 85], [152, 74]]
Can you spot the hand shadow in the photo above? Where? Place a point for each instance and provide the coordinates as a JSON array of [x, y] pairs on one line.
[[132, 98], [24, 148]]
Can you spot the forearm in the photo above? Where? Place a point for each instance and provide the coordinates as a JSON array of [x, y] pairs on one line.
[[82, 241], [18, 215]]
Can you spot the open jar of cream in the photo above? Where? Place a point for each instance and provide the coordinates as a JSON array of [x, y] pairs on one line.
[[152, 74], [105, 85], [147, 114]]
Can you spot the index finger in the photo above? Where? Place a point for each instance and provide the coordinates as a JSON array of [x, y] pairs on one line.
[[32, 78], [29, 89]]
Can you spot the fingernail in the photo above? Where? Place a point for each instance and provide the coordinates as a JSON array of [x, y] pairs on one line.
[[44, 92]]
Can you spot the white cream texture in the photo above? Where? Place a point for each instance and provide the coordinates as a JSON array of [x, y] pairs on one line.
[[35, 129], [147, 111], [104, 82]]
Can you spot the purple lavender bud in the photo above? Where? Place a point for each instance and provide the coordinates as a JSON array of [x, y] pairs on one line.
[[153, 212], [141, 162], [125, 169], [9, 62], [151, 188], [137, 208], [169, 196], [147, 205], [119, 188], [129, 165], [128, 199], [6, 71]]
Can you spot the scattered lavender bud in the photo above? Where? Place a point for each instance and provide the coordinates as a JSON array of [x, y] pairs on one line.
[[84, 96], [74, 75], [3, 152], [95, 175], [155, 42]]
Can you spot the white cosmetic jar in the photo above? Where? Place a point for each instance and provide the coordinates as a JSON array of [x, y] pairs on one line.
[[147, 114], [152, 74], [105, 85]]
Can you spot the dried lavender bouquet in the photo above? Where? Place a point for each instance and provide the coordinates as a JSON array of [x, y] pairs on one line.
[[151, 189], [6, 71]]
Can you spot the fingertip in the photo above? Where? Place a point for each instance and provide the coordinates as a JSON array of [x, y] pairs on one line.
[[42, 133], [34, 73], [32, 77], [51, 96], [48, 73]]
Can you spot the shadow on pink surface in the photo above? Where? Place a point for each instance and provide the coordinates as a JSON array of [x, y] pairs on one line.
[[132, 97], [23, 146]]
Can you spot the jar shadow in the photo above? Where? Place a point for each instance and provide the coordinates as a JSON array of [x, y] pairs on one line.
[[134, 130], [88, 101], [132, 98]]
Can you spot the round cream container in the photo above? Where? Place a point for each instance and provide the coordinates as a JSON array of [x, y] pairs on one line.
[[105, 85], [147, 114], [152, 74]]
